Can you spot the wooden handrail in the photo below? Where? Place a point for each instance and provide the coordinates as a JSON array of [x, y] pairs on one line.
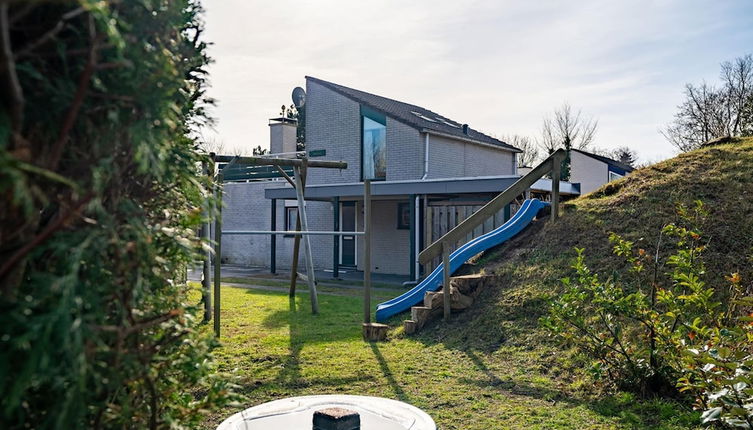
[[551, 164]]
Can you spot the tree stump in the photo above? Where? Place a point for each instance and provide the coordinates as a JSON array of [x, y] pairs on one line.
[[375, 332]]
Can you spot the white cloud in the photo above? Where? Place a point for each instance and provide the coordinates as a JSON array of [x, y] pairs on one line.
[[498, 65]]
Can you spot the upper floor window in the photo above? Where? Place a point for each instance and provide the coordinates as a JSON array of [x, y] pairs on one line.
[[373, 145]]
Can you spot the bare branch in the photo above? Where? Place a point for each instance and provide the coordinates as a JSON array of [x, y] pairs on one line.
[[62, 220], [14, 96], [50, 34], [21, 13], [78, 99]]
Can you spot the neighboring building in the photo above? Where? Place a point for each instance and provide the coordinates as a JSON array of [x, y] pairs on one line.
[[593, 171], [428, 173]]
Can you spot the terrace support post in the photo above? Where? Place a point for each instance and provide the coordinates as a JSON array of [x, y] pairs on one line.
[[556, 166], [218, 255], [206, 280], [297, 238], [310, 275], [367, 251], [412, 232], [428, 234], [336, 239], [273, 239], [446, 283]]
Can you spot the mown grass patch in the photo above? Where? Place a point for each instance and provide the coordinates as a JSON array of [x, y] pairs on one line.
[[279, 349]]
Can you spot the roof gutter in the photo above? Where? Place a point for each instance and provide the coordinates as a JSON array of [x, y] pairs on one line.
[[469, 140]]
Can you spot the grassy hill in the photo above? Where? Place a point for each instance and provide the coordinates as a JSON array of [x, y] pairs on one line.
[[636, 207], [493, 367]]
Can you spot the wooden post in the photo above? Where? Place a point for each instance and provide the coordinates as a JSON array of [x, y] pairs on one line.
[[206, 281], [556, 166], [310, 275], [367, 251], [218, 256], [413, 226], [446, 282], [296, 239], [296, 252], [273, 239], [428, 233], [336, 239]]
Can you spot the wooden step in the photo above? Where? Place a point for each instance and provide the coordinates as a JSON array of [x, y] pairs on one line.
[[420, 313], [429, 298], [410, 326]]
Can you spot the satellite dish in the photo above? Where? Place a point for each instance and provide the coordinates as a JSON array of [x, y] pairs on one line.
[[299, 97]]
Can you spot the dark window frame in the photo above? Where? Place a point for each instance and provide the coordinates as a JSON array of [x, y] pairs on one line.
[[289, 227]]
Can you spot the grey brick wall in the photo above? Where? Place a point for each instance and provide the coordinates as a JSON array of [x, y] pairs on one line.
[[333, 123], [450, 158], [405, 152], [247, 209], [390, 252], [483, 161]]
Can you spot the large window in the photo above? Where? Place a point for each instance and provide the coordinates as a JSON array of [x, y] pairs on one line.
[[373, 145]]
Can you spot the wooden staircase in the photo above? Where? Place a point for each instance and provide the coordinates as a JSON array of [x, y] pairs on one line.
[[463, 291]]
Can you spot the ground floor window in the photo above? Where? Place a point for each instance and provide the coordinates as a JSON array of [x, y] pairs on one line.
[[291, 213], [403, 216]]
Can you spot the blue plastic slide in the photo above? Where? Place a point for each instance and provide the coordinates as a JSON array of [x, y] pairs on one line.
[[513, 226]]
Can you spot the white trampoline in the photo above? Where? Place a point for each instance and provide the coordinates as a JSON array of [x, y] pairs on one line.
[[297, 413]]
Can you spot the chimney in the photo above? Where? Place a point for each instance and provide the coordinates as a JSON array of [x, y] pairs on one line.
[[282, 135], [465, 128]]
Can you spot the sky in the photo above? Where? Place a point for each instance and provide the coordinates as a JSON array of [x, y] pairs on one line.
[[500, 66]]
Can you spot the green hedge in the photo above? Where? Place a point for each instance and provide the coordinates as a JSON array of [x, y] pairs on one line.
[[99, 197]]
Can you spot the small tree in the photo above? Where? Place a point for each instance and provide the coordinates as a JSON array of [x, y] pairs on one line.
[[625, 155]]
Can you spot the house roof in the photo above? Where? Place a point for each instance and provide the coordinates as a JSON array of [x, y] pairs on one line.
[[607, 160], [414, 116]]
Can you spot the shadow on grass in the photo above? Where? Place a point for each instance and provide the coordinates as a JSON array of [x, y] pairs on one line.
[[387, 373], [512, 386], [305, 328]]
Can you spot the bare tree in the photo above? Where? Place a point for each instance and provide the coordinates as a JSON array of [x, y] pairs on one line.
[[212, 144], [530, 153], [567, 129], [709, 112], [737, 79]]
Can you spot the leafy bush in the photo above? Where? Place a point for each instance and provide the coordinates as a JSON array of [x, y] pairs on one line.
[[654, 332], [719, 371], [99, 198]]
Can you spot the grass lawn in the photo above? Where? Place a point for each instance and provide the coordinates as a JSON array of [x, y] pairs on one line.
[[279, 349]]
